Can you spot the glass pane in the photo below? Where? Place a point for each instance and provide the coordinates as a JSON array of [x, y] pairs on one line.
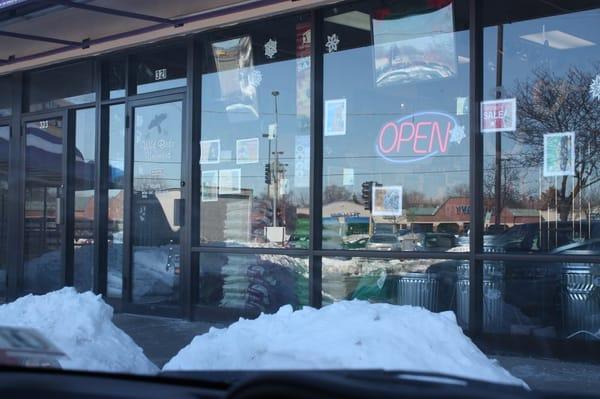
[[542, 174], [156, 197], [429, 283], [116, 193], [396, 136], [113, 75], [85, 178], [5, 96], [60, 87], [4, 140], [255, 147], [253, 283], [162, 69], [537, 299], [43, 206]]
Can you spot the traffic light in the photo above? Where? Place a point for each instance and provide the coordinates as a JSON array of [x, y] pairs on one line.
[[367, 187], [267, 173]]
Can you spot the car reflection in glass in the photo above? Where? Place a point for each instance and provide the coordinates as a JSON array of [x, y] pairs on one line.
[[384, 242]]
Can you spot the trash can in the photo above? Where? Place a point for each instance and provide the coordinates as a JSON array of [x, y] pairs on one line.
[[419, 289], [581, 300], [493, 295]]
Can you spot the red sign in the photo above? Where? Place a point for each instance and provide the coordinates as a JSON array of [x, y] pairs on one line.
[[417, 136], [499, 115]]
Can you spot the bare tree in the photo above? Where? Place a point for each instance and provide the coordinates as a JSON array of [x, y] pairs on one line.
[[551, 103], [335, 193]]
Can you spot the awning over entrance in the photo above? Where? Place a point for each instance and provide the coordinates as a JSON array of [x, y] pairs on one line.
[[38, 32]]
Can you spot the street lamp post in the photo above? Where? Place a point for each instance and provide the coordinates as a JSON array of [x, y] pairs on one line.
[[275, 94]]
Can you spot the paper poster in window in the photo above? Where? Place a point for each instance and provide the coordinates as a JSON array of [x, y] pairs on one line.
[[335, 117], [246, 151], [559, 154], [210, 185], [210, 151], [230, 181], [387, 201]]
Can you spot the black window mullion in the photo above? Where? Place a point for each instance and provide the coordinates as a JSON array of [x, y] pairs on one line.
[[475, 324], [316, 161], [16, 184], [100, 268]]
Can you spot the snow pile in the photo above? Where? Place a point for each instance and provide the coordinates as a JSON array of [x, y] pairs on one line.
[[80, 325], [345, 335]]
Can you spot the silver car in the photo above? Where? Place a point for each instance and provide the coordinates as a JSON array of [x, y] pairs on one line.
[[383, 242]]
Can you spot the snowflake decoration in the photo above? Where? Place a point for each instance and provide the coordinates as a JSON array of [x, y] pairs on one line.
[[458, 134], [595, 88], [270, 48], [332, 43], [255, 78]]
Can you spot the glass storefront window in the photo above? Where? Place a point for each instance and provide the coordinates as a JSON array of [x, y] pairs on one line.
[[5, 96], [60, 86], [542, 132], [84, 166], [255, 145], [555, 300], [161, 69], [253, 283], [116, 199], [396, 126], [114, 78], [428, 283]]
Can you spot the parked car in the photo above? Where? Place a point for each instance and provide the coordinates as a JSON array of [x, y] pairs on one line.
[[356, 244], [384, 242], [436, 242], [298, 241]]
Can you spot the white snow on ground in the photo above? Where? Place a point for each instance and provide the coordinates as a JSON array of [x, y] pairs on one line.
[[81, 326], [345, 335]]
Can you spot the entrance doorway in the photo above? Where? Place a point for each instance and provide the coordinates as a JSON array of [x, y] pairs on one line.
[[154, 201], [44, 217]]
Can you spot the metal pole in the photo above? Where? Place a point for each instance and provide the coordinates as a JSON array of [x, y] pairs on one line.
[[276, 166]]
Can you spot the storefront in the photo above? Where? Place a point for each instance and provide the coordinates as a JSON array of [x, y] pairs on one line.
[[434, 153]]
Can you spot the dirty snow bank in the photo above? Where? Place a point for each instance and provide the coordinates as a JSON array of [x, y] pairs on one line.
[[347, 334], [80, 325]]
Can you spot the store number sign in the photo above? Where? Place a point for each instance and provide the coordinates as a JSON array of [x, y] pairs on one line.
[[160, 74]]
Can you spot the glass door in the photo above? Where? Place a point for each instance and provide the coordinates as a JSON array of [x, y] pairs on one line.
[[155, 201], [44, 229]]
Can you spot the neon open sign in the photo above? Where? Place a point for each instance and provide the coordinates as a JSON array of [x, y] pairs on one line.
[[418, 136]]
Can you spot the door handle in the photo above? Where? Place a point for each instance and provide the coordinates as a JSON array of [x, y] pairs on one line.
[[178, 211], [58, 210]]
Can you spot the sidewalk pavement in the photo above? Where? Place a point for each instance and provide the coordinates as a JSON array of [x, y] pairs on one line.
[[162, 338]]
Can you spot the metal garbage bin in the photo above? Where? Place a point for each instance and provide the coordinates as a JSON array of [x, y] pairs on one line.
[[493, 295], [580, 297], [419, 289]]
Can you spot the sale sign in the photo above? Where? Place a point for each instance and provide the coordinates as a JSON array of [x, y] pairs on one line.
[[499, 115]]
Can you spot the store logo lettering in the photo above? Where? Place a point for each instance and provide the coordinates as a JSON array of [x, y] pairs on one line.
[[415, 137]]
